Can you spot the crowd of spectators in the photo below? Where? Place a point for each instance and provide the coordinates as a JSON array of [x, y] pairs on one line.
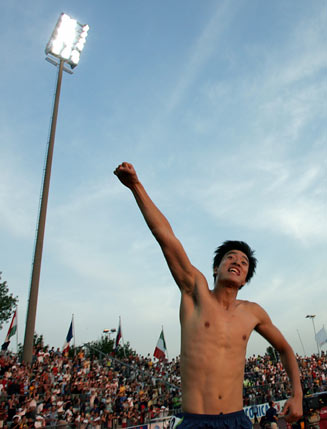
[[265, 378], [92, 393], [86, 392]]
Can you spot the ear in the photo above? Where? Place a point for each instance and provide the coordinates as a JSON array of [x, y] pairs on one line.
[[215, 270]]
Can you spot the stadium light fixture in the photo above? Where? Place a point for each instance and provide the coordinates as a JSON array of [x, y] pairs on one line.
[[67, 40], [66, 43], [109, 332]]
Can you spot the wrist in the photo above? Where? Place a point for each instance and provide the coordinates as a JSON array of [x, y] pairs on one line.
[[297, 394], [135, 186]]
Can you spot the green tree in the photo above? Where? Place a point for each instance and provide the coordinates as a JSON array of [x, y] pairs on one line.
[[106, 346], [7, 303], [38, 342], [125, 351], [273, 353]]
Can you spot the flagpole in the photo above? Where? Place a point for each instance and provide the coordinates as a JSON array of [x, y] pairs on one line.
[[304, 353], [121, 331], [165, 341], [122, 336], [73, 331], [16, 330]]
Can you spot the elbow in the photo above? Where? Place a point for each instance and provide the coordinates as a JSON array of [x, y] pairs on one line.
[[285, 351], [158, 234]]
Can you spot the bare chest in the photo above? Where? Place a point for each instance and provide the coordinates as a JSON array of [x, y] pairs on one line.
[[228, 330], [225, 328]]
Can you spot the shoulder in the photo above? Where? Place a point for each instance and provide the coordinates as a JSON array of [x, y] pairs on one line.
[[200, 287], [253, 307], [250, 305], [255, 310]]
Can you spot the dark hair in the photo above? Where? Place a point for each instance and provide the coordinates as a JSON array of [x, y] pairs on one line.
[[229, 245]]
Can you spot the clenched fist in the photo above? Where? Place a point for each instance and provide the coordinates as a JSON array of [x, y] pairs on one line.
[[126, 174]]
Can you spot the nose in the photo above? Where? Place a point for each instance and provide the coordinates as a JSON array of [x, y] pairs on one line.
[[237, 262]]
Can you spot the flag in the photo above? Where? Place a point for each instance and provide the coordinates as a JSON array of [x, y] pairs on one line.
[[68, 338], [321, 337], [119, 334], [11, 331], [161, 349]]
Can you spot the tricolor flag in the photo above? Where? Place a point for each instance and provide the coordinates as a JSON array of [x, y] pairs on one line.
[[321, 337], [11, 331], [119, 334], [161, 349], [68, 338]]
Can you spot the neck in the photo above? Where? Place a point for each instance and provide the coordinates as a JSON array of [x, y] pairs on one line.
[[225, 295]]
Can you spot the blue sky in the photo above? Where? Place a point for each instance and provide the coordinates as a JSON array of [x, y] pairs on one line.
[[221, 106]]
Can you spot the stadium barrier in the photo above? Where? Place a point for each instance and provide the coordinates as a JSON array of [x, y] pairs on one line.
[[159, 423]]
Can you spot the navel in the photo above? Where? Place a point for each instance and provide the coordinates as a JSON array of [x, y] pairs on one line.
[[244, 337], [220, 397], [207, 324]]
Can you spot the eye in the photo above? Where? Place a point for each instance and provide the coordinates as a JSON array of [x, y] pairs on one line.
[[244, 263]]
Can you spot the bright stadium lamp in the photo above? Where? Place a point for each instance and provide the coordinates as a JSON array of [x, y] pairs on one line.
[[109, 332], [66, 43], [67, 40]]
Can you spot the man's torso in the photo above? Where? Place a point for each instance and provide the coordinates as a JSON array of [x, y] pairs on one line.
[[213, 348]]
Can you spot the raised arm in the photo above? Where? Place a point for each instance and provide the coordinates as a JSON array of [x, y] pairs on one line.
[[181, 268], [293, 407]]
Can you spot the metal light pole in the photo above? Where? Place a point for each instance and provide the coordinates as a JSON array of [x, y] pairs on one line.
[[69, 53], [312, 317], [304, 353]]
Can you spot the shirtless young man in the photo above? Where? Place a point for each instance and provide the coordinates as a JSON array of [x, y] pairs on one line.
[[215, 326]]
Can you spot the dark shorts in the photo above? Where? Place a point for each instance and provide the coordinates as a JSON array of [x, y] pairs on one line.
[[237, 420]]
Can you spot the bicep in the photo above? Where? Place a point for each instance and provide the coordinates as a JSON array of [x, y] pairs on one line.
[[184, 273]]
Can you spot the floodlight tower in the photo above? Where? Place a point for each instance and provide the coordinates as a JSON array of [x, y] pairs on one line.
[[312, 317], [65, 46]]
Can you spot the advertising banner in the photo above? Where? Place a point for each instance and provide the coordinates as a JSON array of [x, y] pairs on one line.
[[260, 410]]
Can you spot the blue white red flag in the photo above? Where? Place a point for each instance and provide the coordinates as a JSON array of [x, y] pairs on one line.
[[119, 334], [68, 338]]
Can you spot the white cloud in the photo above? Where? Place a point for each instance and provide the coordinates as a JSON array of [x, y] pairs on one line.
[[205, 45]]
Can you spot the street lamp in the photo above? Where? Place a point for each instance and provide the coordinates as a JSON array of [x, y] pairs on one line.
[[65, 45], [109, 332], [312, 317]]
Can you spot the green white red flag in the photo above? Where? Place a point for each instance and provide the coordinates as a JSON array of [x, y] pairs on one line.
[[161, 349], [11, 331]]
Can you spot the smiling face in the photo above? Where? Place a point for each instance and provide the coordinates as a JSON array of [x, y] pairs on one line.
[[233, 269]]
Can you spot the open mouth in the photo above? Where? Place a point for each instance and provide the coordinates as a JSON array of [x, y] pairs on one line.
[[233, 270]]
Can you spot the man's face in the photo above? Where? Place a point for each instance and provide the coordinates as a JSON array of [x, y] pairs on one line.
[[233, 269]]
